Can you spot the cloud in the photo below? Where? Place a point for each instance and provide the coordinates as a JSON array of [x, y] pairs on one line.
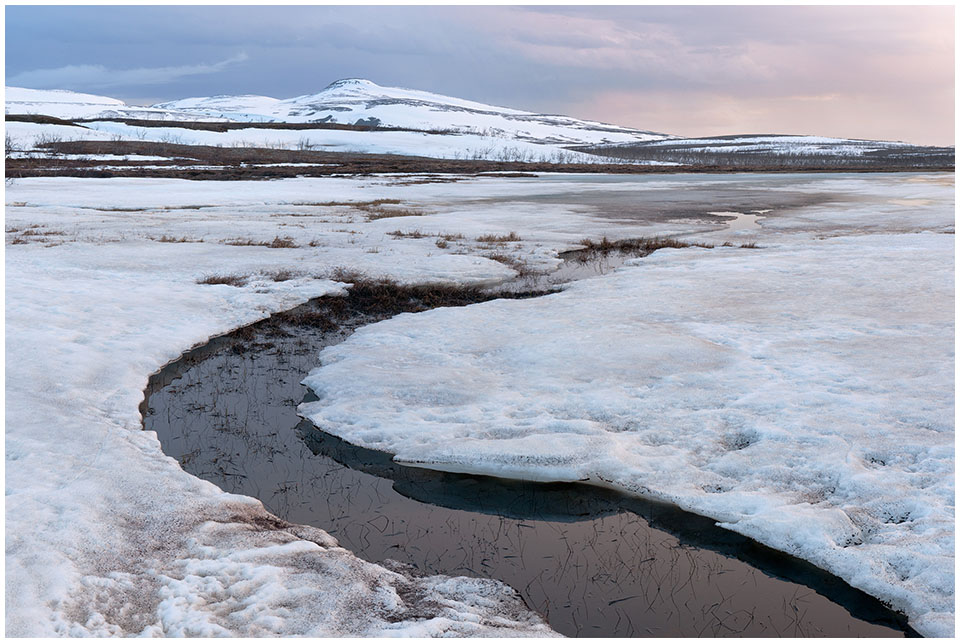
[[99, 76]]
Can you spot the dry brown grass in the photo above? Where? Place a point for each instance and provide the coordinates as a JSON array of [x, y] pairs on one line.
[[502, 238], [168, 239], [374, 214], [282, 242], [39, 231], [224, 280], [34, 233], [277, 242], [640, 247], [413, 234]]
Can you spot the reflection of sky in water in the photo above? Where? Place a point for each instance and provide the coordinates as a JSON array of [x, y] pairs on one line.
[[741, 220], [588, 559]]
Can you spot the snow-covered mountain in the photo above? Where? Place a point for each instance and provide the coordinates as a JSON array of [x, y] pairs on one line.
[[461, 129], [61, 103], [358, 101]]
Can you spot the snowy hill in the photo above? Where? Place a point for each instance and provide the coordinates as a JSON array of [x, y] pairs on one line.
[[68, 105], [358, 101], [447, 127]]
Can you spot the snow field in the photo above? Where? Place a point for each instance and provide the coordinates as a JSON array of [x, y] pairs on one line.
[[27, 136], [801, 396], [105, 535]]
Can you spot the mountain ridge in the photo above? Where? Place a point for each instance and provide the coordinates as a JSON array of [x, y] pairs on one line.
[[362, 103]]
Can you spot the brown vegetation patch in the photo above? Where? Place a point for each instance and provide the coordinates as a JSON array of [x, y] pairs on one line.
[[413, 234], [641, 246], [235, 163], [225, 280], [384, 213], [277, 242], [502, 238], [169, 239], [379, 297]]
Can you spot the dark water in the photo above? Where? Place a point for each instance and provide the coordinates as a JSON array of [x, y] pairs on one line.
[[595, 563]]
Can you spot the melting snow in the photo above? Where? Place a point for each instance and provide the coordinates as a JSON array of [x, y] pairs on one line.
[[800, 393]]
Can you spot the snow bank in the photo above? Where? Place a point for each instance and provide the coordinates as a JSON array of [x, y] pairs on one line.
[[800, 395], [107, 536]]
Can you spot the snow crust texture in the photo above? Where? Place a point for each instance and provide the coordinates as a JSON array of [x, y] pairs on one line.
[[801, 396]]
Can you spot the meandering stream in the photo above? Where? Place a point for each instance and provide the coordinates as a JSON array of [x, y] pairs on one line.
[[593, 562]]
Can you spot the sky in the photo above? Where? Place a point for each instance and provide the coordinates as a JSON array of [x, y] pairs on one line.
[[876, 72]]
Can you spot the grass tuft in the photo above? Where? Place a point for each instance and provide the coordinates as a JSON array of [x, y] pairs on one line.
[[639, 247], [282, 242], [224, 280], [168, 239], [503, 238], [413, 234], [278, 242]]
